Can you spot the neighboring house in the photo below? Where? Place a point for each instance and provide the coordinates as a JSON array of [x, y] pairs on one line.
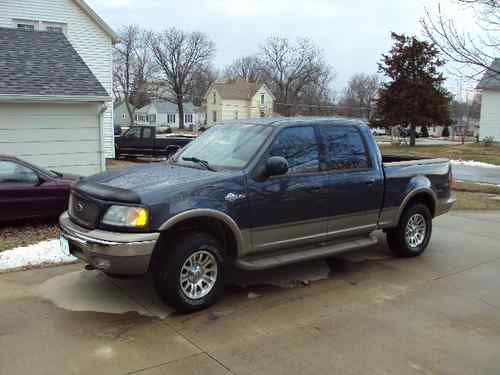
[[489, 123], [163, 113], [121, 116], [90, 39], [238, 100]]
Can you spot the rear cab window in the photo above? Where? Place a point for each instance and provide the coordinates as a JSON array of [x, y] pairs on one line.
[[345, 148]]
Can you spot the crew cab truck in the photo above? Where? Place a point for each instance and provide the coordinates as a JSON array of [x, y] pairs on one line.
[[147, 141], [253, 194]]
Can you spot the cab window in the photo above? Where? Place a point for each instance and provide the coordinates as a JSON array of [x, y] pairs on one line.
[[298, 145]]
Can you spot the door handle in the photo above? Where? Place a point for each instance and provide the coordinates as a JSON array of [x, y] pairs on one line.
[[370, 182]]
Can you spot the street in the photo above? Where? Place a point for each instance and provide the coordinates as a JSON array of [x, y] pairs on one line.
[[359, 313]]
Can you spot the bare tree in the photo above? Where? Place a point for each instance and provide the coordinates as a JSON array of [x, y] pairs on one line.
[[202, 80], [290, 68], [132, 68], [247, 68], [474, 52], [179, 56], [361, 92]]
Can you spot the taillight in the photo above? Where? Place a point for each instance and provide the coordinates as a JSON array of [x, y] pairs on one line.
[[451, 181]]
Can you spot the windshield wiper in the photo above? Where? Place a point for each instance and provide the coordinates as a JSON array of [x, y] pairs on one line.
[[203, 163]]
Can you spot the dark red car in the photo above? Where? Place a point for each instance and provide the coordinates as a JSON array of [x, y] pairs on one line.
[[28, 191]]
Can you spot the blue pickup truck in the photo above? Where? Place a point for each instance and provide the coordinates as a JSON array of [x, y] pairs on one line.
[[253, 194]]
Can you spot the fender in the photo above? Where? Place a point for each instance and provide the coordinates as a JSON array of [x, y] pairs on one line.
[[239, 235], [426, 189]]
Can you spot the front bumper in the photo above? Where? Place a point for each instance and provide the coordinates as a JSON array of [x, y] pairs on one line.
[[111, 252]]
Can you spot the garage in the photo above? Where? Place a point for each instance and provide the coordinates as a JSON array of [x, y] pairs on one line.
[[51, 104], [61, 137]]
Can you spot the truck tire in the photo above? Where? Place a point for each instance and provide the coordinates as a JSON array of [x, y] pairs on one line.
[[411, 237], [188, 273]]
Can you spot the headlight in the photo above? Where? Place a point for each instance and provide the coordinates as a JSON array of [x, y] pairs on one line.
[[126, 216]]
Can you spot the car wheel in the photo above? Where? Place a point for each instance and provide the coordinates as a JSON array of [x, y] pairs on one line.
[[411, 237], [189, 272]]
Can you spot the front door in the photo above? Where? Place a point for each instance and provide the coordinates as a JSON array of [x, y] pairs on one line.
[[356, 184], [22, 194], [291, 209]]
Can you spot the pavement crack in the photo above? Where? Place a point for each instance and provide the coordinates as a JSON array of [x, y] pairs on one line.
[[161, 364], [465, 269]]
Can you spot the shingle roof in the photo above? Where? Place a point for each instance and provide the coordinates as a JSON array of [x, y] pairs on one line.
[[163, 106], [41, 63], [241, 90], [491, 80]]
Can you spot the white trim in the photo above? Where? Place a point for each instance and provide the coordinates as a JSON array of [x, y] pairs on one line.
[[51, 98]]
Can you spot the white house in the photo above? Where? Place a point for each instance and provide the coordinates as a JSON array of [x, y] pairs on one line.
[[165, 114], [238, 100], [489, 123], [56, 84]]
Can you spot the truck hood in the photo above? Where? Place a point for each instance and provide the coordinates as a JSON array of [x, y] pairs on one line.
[[144, 179]]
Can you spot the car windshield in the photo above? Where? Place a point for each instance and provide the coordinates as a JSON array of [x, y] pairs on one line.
[[230, 146]]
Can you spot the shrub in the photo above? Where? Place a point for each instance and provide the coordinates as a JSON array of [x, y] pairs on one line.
[[446, 132], [424, 132]]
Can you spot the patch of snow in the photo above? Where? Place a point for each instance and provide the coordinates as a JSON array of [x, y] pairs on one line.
[[41, 253], [473, 163]]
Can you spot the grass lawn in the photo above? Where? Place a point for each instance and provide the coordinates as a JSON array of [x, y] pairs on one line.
[[469, 151], [476, 201]]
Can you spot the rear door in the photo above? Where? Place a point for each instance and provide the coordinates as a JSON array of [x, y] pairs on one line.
[[291, 209], [355, 181]]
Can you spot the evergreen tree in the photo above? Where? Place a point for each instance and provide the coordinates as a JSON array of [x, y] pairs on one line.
[[414, 94]]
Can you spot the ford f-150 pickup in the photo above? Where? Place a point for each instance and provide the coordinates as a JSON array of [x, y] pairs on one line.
[[147, 141], [253, 194]]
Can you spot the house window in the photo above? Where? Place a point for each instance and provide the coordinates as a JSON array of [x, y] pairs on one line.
[[54, 27], [26, 26], [188, 118], [236, 115], [214, 116], [123, 115], [171, 118], [262, 99], [215, 98], [152, 118]]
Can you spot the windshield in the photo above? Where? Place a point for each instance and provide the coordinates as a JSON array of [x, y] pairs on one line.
[[226, 146]]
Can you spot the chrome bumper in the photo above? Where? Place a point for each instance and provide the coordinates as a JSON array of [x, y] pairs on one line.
[[112, 252]]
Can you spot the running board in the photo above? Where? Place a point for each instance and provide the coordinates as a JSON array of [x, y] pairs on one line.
[[276, 259]]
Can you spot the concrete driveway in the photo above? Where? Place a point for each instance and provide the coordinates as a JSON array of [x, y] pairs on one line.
[[360, 313]]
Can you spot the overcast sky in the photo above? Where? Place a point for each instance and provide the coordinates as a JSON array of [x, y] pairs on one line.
[[352, 33]]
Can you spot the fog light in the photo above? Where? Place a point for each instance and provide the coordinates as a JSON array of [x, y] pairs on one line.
[[101, 264]]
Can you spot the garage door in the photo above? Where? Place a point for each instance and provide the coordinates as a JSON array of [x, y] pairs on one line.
[[62, 137]]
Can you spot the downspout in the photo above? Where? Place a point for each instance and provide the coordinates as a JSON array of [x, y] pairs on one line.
[[102, 109]]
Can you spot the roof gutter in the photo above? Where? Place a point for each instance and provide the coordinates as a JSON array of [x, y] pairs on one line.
[[6, 98]]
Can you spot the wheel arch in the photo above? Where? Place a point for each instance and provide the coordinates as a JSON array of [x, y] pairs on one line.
[[424, 195], [217, 223]]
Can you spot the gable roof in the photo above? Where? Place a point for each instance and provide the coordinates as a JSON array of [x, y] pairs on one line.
[[95, 17], [239, 89], [491, 80], [162, 106], [40, 65]]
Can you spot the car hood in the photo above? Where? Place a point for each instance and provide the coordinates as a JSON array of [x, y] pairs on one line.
[[144, 179]]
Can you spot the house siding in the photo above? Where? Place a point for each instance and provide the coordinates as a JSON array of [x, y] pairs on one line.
[[89, 40], [162, 118], [489, 125], [63, 137]]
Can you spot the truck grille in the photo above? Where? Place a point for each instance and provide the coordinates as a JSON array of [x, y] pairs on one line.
[[83, 211]]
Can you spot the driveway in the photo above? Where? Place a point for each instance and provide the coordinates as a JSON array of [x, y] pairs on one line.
[[360, 313]]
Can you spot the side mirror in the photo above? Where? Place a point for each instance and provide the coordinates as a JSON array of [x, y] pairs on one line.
[[276, 166]]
